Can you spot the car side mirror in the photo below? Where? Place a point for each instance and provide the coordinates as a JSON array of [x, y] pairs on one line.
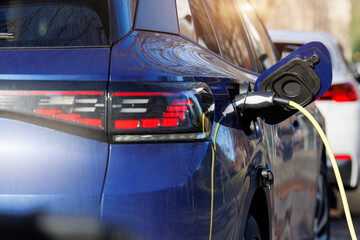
[[302, 76]]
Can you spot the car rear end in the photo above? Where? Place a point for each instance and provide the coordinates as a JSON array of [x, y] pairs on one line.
[[54, 74], [96, 121]]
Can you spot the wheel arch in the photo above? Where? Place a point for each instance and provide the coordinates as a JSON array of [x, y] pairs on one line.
[[259, 209], [258, 205]]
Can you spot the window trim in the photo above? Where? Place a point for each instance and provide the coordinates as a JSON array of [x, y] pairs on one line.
[[246, 41], [220, 57], [212, 28], [260, 68]]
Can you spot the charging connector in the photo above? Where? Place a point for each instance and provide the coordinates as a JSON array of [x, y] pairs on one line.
[[261, 104], [273, 108], [248, 104]]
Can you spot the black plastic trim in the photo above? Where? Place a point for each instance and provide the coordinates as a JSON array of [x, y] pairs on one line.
[[345, 172], [254, 186]]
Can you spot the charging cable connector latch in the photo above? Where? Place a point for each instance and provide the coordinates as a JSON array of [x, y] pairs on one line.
[[267, 178]]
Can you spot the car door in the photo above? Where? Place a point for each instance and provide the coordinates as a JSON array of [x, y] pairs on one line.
[[276, 141], [283, 161]]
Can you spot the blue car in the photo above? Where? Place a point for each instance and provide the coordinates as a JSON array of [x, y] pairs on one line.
[[124, 110]]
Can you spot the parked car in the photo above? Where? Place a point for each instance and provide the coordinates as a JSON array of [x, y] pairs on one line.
[[340, 105], [111, 109]]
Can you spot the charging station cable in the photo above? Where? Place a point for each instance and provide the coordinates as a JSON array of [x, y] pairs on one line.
[[213, 149], [255, 101], [333, 162]]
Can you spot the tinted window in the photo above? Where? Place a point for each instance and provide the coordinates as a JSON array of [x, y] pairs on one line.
[[231, 38], [53, 23], [194, 23], [258, 36], [186, 23]]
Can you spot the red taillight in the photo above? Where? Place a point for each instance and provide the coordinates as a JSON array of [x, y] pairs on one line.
[[150, 123], [83, 108], [344, 92], [92, 122], [49, 112], [150, 110], [342, 157], [170, 122], [159, 116], [177, 109], [126, 124], [180, 115], [70, 117], [139, 112]]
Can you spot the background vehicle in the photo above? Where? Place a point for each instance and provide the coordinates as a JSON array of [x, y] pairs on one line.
[[105, 111], [340, 105]]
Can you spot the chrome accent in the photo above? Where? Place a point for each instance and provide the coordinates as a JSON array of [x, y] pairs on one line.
[[90, 100], [160, 137], [135, 101], [133, 110], [85, 109], [6, 36]]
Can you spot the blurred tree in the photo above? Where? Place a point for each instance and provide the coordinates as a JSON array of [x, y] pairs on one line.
[[355, 30], [332, 16]]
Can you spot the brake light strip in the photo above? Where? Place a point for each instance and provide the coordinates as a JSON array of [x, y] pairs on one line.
[[77, 93], [145, 94]]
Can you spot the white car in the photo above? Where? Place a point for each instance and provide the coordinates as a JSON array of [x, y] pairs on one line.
[[340, 105]]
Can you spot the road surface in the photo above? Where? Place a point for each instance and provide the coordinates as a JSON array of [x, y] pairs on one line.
[[339, 229]]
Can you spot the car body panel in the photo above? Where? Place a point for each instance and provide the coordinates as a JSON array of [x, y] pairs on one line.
[[64, 177], [148, 56], [43, 168], [180, 207], [162, 18], [283, 166], [55, 64], [186, 192], [306, 153]]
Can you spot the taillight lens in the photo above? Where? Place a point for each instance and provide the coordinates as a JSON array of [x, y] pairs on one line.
[[344, 158], [164, 114], [68, 111], [345, 92], [128, 113]]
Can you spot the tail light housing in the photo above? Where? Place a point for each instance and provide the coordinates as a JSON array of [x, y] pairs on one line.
[[74, 111], [344, 158], [147, 112], [159, 112], [345, 92]]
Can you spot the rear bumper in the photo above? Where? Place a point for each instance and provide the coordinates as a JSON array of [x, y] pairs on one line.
[[345, 172], [342, 128]]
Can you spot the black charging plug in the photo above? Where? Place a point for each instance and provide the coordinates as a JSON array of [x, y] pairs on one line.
[[265, 105]]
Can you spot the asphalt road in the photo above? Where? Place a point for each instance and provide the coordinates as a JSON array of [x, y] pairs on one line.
[[339, 229]]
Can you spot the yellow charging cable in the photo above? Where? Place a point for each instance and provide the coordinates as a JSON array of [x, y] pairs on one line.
[[212, 191], [332, 158], [334, 164], [213, 149]]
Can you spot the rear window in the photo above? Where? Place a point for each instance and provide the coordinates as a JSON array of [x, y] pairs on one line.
[[54, 23]]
